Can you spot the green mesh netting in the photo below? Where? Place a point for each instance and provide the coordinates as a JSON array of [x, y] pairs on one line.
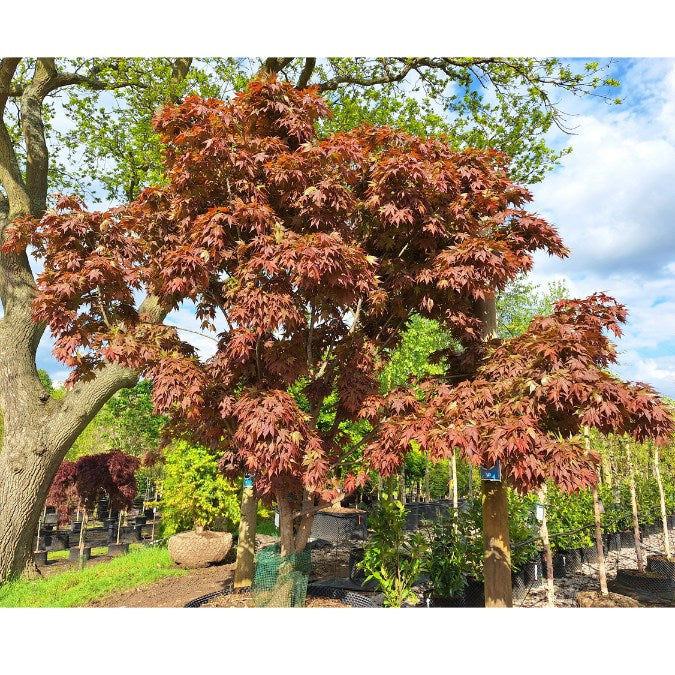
[[281, 581]]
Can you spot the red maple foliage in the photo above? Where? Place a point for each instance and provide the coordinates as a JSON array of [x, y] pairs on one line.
[[313, 252], [91, 478], [527, 403], [62, 494]]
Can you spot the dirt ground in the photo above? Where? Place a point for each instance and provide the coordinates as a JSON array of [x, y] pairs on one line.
[[329, 562]]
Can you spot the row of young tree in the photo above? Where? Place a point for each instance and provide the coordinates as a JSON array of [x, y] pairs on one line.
[[306, 252]]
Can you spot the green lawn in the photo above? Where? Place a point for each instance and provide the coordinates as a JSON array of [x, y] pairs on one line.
[[76, 588]]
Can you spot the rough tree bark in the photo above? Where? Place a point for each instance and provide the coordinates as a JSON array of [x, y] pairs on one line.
[[37, 430]]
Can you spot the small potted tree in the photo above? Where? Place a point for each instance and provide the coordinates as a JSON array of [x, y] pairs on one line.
[[62, 496]]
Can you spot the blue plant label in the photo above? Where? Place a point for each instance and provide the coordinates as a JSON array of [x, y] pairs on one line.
[[493, 473], [248, 480]]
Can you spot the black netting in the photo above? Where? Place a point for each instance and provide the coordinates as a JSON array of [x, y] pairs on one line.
[[339, 527]]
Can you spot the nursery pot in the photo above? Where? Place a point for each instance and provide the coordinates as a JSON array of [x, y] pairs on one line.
[[572, 560], [76, 527], [74, 554], [659, 564], [118, 549], [518, 586], [559, 565], [671, 522], [614, 541], [644, 581], [149, 515], [355, 574], [627, 539], [434, 601], [138, 533], [532, 573], [474, 593], [139, 520], [40, 558]]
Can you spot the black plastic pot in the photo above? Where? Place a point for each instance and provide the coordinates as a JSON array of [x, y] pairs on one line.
[[671, 522], [433, 601], [559, 565], [40, 558], [74, 554], [138, 532], [76, 527], [337, 527], [518, 586], [659, 564], [627, 539], [644, 581], [149, 514], [572, 560], [355, 574], [614, 541], [118, 549], [139, 520], [474, 593], [533, 573], [413, 515]]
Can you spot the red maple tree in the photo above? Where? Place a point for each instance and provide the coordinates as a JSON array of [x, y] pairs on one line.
[[313, 253]]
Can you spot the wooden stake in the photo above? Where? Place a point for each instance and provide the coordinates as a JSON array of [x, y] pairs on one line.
[[662, 498], [543, 533], [633, 503], [602, 568], [243, 573]]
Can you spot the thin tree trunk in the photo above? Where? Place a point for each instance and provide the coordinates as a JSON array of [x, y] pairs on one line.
[[662, 499], [427, 493], [453, 467], [633, 503], [243, 573], [548, 554], [602, 568], [402, 494], [119, 525]]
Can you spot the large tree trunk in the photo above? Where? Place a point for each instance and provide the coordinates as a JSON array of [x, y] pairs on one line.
[[243, 574], [497, 548]]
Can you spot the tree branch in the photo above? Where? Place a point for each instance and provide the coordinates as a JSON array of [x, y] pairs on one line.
[[306, 74]]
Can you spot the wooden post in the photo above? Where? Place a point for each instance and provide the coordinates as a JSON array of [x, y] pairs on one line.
[[633, 503], [496, 545], [543, 533], [243, 573], [662, 498]]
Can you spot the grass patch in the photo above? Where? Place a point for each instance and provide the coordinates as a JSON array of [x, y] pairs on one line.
[[97, 550], [78, 588]]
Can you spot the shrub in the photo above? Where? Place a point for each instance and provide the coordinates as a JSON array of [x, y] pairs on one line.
[[194, 492], [393, 557]]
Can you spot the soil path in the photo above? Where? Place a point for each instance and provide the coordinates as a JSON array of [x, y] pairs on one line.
[[172, 591]]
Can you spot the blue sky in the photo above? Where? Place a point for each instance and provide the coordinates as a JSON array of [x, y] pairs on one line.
[[612, 199]]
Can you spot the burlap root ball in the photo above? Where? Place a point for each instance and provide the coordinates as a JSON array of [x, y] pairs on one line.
[[199, 549]]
